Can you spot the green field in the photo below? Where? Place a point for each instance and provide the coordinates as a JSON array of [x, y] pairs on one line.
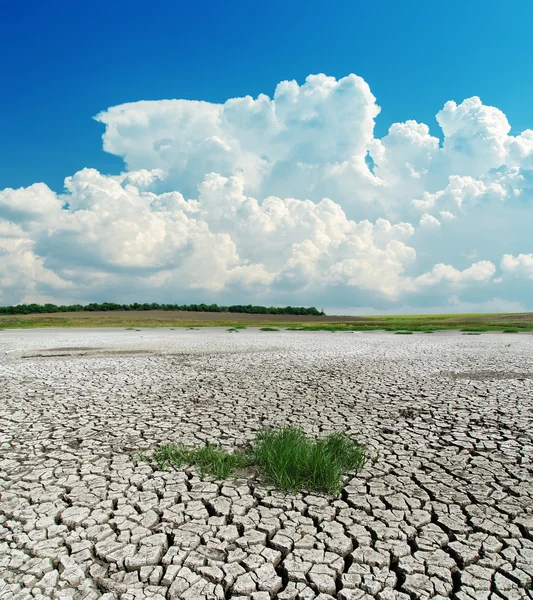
[[509, 322]]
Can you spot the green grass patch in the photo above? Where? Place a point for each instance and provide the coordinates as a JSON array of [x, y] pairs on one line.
[[268, 329], [233, 330], [287, 458], [293, 461], [210, 459], [511, 330], [474, 329], [138, 319], [403, 332], [347, 327], [472, 333], [340, 327]]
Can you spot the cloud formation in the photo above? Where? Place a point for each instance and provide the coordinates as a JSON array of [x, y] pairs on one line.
[[289, 199]]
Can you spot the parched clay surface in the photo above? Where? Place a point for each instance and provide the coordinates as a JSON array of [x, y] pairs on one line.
[[445, 511]]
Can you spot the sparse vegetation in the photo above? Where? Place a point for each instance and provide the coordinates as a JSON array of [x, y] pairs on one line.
[[350, 328], [287, 458], [268, 329], [511, 330], [522, 322], [210, 459], [403, 332]]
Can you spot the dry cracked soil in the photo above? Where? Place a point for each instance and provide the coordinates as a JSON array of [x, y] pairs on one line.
[[444, 509]]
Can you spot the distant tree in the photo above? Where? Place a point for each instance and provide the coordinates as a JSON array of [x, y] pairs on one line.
[[26, 309]]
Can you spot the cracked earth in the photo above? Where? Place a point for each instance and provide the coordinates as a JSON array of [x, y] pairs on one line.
[[445, 510]]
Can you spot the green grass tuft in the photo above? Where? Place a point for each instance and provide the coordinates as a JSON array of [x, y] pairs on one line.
[[217, 462], [170, 454], [511, 330], [268, 329], [403, 332], [210, 459], [292, 461], [474, 329], [472, 333], [287, 458]]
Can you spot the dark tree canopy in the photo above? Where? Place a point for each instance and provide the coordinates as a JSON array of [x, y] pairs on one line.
[[26, 309]]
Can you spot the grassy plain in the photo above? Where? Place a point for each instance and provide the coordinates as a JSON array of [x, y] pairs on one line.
[[471, 322]]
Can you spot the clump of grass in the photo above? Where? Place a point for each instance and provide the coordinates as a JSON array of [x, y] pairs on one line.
[[232, 330], [170, 454], [474, 329], [210, 459], [216, 461], [403, 332], [240, 327], [472, 333], [268, 329], [511, 330], [293, 462], [286, 457]]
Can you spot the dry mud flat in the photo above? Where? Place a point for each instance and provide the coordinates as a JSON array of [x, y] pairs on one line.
[[446, 511]]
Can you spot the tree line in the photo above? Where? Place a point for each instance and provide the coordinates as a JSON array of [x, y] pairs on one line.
[[26, 309]]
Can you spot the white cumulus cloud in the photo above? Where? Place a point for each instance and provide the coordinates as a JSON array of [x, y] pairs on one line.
[[521, 265], [427, 220], [282, 199]]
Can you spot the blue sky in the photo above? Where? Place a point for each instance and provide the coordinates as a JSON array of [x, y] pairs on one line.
[[67, 61], [458, 207]]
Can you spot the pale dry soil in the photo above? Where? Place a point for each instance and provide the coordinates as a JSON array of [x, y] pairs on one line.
[[445, 512]]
